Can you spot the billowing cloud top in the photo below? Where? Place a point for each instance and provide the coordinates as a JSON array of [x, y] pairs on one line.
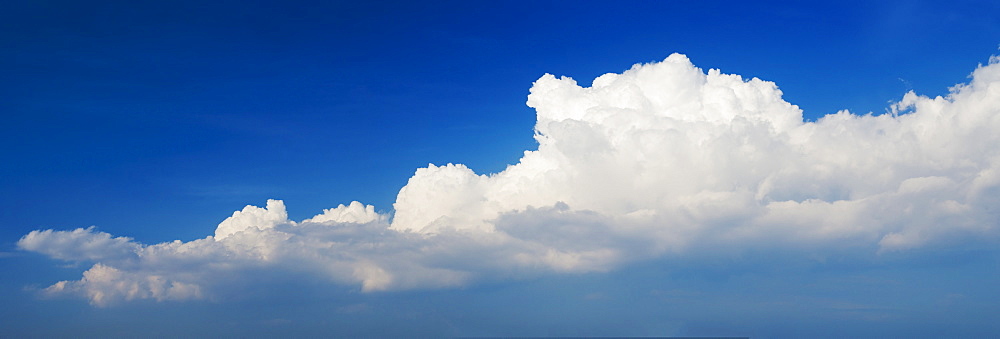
[[663, 159]]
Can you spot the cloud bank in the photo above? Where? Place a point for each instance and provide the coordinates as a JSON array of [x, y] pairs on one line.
[[664, 160]]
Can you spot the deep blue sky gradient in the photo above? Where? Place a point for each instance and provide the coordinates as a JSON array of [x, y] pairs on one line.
[[156, 120]]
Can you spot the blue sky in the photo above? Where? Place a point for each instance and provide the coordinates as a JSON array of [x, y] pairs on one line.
[[156, 122]]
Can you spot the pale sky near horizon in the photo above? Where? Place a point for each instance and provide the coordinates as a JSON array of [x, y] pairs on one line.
[[707, 187]]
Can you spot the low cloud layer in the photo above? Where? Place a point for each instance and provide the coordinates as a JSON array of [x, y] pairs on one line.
[[662, 160]]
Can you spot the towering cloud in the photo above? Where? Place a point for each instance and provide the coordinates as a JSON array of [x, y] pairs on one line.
[[663, 159]]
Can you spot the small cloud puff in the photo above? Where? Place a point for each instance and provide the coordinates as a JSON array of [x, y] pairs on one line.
[[662, 160], [81, 244]]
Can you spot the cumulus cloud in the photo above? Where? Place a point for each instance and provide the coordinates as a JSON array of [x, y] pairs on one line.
[[104, 285], [662, 160], [79, 245]]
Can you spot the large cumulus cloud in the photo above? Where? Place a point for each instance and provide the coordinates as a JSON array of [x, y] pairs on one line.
[[662, 160]]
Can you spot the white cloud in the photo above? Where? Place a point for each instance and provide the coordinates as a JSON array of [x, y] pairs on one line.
[[253, 217], [661, 160], [104, 285], [79, 244]]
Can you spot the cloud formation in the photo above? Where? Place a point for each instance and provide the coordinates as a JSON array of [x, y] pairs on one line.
[[662, 160]]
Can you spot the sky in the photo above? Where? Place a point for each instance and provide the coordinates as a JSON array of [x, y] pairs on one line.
[[542, 168]]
